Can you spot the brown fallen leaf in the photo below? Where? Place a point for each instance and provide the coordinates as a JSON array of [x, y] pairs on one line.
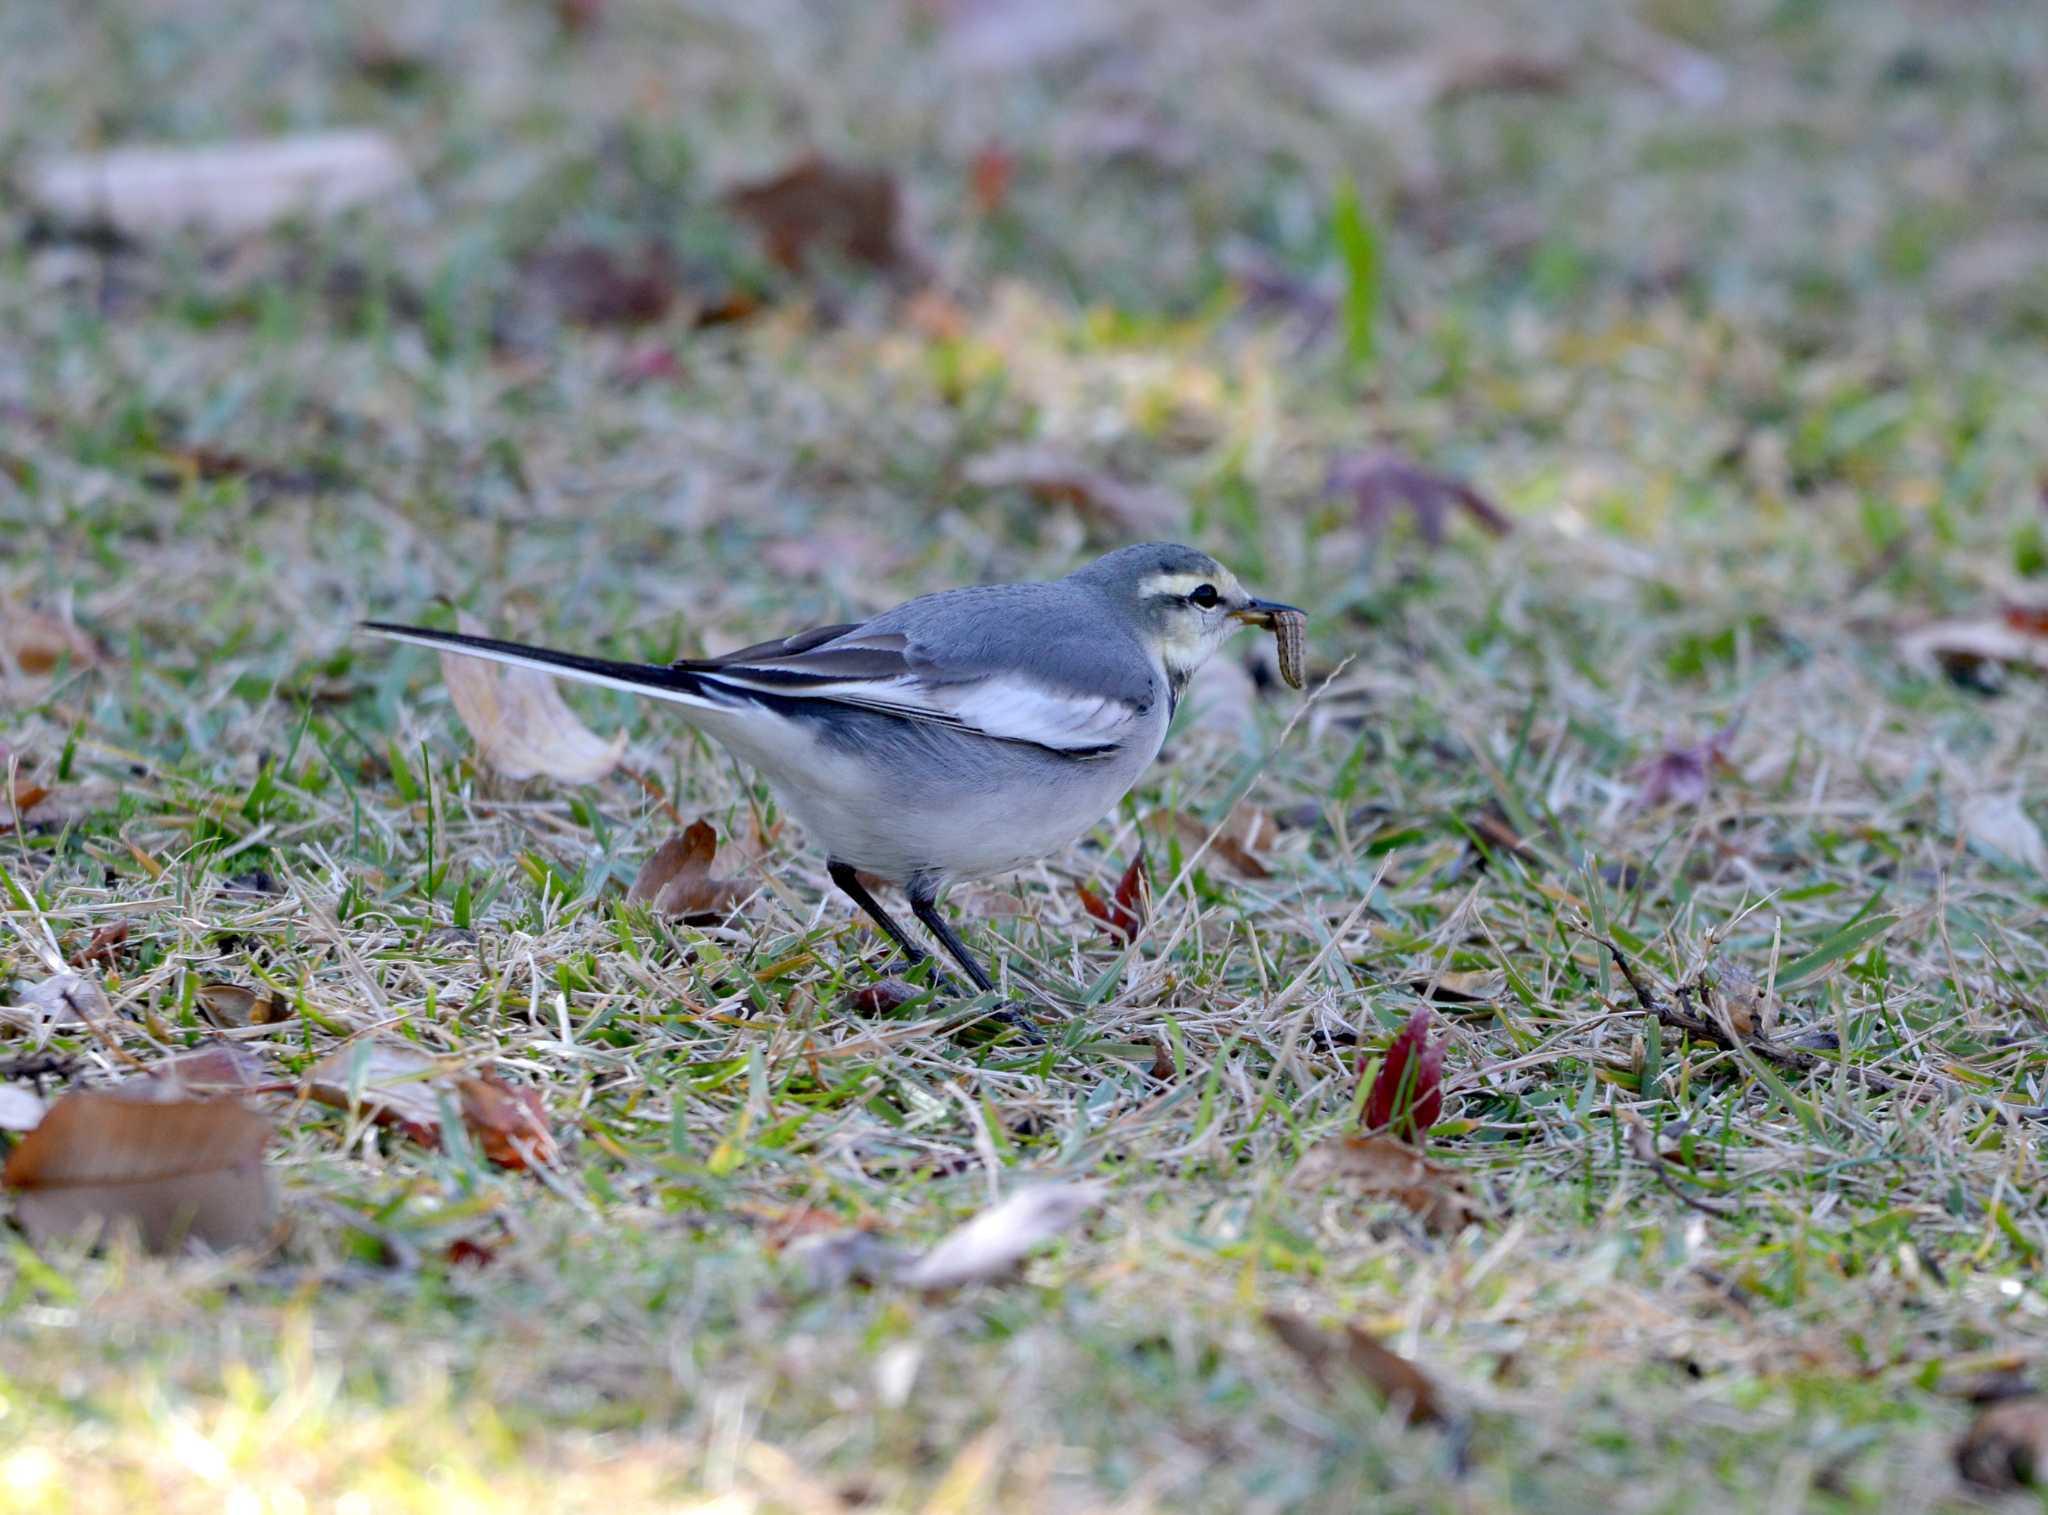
[[1236, 846], [21, 1107], [2016, 638], [232, 1005], [1000, 1237], [105, 943], [208, 1073], [597, 284], [391, 1082], [1055, 477], [1124, 911], [2006, 1447], [35, 644], [522, 727], [228, 189], [179, 1171], [62, 1000], [884, 996], [1379, 1167], [819, 206], [509, 1121], [677, 879], [1405, 1386], [1384, 484]]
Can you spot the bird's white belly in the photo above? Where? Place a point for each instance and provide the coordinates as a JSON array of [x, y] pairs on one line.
[[951, 807]]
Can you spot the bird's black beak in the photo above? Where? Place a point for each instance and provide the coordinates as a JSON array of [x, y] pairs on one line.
[[1263, 613]]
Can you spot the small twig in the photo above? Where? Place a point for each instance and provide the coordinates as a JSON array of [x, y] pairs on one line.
[[1644, 1144], [1704, 1028]]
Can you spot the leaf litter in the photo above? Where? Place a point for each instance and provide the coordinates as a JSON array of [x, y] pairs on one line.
[[522, 726], [178, 1170], [1357, 1352], [1377, 1167], [677, 878], [993, 1243], [397, 1085]]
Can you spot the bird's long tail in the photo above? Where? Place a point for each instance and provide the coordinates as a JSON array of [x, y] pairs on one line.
[[679, 685]]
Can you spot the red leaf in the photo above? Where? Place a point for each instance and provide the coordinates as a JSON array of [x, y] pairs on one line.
[[1407, 1097], [1124, 912], [991, 173]]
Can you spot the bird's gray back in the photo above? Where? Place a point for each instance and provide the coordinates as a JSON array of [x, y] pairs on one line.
[[1062, 634]]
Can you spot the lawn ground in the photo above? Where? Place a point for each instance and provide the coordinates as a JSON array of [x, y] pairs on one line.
[[1736, 311]]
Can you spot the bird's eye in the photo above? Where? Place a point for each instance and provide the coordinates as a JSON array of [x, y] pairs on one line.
[[1205, 596]]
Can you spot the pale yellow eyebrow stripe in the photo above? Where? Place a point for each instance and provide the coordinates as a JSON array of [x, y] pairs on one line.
[[1187, 583]]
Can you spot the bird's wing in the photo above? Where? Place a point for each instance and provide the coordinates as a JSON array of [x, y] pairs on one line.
[[1042, 699]]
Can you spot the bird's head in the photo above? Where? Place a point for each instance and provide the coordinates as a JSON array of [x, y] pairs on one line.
[[1184, 603]]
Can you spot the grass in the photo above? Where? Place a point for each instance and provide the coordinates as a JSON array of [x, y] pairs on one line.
[[1737, 369]]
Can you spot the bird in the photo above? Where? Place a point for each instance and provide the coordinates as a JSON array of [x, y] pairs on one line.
[[962, 734]]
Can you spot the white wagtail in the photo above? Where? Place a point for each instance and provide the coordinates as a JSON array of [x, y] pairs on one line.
[[961, 734]]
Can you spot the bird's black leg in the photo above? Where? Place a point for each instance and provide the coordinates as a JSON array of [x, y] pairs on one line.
[[924, 904], [849, 883]]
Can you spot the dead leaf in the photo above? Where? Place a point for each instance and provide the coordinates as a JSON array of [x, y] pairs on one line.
[[1999, 824], [1384, 484], [596, 284], [1124, 911], [35, 644], [1269, 288], [1479, 986], [677, 879], [995, 1241], [884, 996], [465, 1253], [64, 1000], [232, 1005], [2014, 638], [105, 943], [1248, 829], [1407, 1094], [39, 807], [2007, 1446], [509, 1122], [521, 725], [1684, 775], [393, 1083], [228, 189], [838, 1258], [179, 1171], [819, 206], [990, 173], [1405, 1386], [1054, 477], [21, 1107], [1379, 1167], [208, 1073]]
